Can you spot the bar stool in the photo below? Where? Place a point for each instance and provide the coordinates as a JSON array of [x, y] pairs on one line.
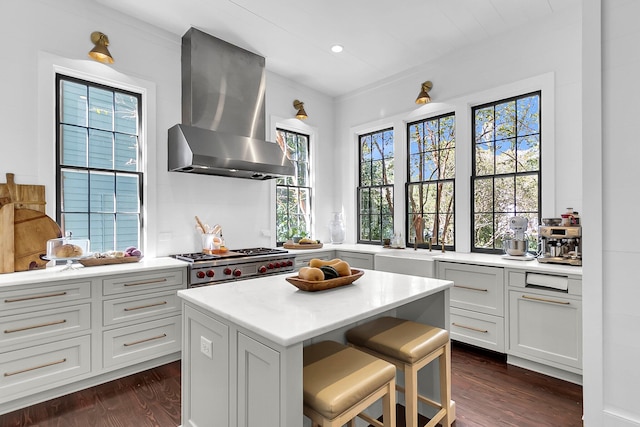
[[339, 382], [410, 346]]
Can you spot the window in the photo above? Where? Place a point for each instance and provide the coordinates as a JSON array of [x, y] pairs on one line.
[[506, 169], [99, 188], [293, 193], [375, 189], [430, 182]]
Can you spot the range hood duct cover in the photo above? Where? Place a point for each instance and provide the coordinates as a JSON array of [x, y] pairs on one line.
[[223, 113]]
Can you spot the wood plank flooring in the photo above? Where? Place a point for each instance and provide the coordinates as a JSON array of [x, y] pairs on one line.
[[487, 391]]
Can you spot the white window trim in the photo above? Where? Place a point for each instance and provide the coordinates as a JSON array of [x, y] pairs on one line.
[[48, 66]]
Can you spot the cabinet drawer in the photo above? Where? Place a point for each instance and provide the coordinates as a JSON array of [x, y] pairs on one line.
[[303, 260], [39, 368], [478, 329], [140, 307], [141, 342], [35, 295], [144, 282], [356, 259], [546, 327], [476, 288], [44, 324]]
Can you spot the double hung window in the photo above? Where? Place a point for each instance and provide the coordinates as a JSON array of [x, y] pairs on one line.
[[99, 188]]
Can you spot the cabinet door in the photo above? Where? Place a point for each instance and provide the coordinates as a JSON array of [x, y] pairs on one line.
[[206, 349], [546, 328], [356, 259], [258, 384], [476, 288]]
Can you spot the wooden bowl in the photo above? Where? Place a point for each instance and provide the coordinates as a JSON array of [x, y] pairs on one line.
[[321, 285]]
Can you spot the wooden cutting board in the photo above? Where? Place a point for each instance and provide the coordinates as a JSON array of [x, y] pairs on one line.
[[25, 196], [31, 229]]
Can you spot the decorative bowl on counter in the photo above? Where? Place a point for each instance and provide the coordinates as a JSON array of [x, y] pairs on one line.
[[554, 222], [321, 285]]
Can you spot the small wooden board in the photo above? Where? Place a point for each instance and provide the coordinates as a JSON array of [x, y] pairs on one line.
[[302, 245], [321, 285], [91, 262], [24, 196]]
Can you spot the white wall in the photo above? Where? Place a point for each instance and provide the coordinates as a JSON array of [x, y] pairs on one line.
[[42, 34], [487, 72], [611, 290]]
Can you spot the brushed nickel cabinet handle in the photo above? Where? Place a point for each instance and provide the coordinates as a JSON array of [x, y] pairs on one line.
[[146, 282], [44, 365], [58, 294], [484, 331], [546, 300], [41, 325], [145, 306], [471, 288], [145, 340]]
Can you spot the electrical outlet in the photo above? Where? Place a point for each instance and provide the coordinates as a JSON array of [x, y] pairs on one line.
[[206, 347]]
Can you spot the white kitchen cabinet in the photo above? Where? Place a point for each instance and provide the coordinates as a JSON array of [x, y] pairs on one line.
[[477, 304], [302, 259], [65, 335], [414, 266], [356, 259]]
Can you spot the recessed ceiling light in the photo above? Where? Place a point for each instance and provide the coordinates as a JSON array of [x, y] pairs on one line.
[[336, 48]]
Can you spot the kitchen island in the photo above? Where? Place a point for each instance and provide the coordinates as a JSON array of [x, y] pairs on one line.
[[243, 341]]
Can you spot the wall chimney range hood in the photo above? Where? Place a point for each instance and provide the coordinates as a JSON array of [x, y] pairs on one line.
[[223, 113]]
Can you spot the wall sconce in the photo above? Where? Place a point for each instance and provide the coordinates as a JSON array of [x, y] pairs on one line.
[[299, 105], [423, 97], [100, 52]]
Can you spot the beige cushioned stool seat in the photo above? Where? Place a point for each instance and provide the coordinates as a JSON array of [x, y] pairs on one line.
[[398, 338], [336, 377]]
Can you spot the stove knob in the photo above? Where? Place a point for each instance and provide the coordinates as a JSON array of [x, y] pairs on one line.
[[227, 271], [289, 263], [200, 274], [237, 273], [210, 273], [262, 269], [278, 265], [270, 266]]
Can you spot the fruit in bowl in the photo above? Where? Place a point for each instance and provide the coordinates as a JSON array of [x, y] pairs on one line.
[[132, 251]]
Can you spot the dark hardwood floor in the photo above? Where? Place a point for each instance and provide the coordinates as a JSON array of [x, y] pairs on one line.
[[487, 391]]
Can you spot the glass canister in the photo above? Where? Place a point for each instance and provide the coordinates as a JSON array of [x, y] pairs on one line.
[[336, 228]]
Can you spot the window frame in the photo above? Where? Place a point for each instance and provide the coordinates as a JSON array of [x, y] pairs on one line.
[[61, 76], [532, 234], [309, 187], [360, 187], [408, 183]]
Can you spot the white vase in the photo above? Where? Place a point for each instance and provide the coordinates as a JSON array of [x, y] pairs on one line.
[[336, 227]]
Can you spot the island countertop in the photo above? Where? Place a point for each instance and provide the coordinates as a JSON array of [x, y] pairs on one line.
[[277, 310]]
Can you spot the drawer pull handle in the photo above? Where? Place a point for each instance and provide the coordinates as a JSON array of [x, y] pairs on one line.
[[145, 306], [57, 294], [145, 340], [471, 288], [546, 300], [44, 365], [484, 331], [41, 325], [146, 282]]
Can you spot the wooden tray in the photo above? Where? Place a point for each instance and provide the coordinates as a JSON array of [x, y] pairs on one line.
[[321, 285], [92, 262], [302, 245]]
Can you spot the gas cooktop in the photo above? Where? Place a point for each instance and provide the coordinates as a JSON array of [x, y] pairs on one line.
[[236, 253]]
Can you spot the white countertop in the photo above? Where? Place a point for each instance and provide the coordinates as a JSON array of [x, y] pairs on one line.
[[437, 255], [272, 307], [51, 274]]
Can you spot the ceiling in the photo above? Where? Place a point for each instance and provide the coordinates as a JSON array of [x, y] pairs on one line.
[[380, 38]]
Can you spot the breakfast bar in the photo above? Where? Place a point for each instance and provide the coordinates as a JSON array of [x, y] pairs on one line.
[[243, 341]]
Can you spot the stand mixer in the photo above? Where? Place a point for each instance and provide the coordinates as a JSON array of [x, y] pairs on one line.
[[516, 246]]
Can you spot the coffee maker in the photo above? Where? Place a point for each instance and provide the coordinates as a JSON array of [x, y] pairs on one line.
[[560, 244]]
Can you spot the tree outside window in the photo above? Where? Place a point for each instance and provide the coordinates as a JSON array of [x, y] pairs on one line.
[[293, 193], [506, 170], [375, 189], [430, 182]]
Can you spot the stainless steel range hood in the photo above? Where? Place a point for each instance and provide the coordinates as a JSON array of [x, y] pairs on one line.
[[223, 113]]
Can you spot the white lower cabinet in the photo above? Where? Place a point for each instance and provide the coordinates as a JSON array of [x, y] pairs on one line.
[[357, 259], [58, 337], [479, 329], [302, 259], [546, 327]]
